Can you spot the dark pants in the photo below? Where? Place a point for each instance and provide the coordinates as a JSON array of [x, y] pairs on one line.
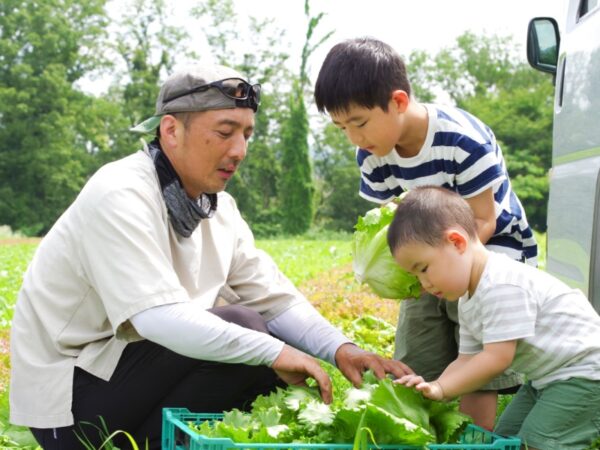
[[150, 377]]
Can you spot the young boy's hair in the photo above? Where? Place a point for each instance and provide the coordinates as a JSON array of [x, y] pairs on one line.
[[362, 72], [425, 213]]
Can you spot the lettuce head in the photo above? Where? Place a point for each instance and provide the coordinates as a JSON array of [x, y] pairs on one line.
[[373, 262]]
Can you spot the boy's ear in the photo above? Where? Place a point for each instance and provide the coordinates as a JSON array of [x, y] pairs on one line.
[[400, 99], [457, 239]]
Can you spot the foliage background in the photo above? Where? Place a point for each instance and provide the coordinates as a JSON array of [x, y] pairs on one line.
[[300, 171]]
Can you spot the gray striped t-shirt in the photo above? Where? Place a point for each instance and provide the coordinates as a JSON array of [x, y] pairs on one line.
[[557, 330]]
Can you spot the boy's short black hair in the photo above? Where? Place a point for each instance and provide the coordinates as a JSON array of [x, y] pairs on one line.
[[363, 72], [424, 215]]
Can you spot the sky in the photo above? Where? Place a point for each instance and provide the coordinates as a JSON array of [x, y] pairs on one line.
[[406, 25]]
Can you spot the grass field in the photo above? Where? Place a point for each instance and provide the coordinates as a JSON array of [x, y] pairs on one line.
[[321, 268]]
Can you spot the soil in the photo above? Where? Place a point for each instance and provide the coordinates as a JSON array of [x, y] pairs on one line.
[[336, 295]]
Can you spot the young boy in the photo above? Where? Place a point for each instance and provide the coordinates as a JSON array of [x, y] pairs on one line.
[[402, 144], [511, 314]]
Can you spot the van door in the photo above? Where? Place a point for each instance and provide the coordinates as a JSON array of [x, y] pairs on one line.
[[573, 252]]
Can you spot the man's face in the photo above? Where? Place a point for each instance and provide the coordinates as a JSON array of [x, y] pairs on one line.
[[208, 152], [374, 130]]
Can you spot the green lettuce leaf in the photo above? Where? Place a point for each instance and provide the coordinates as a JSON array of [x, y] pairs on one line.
[[380, 412], [274, 399], [237, 418], [448, 422], [316, 413], [269, 417], [392, 429], [401, 401], [298, 396], [373, 263]]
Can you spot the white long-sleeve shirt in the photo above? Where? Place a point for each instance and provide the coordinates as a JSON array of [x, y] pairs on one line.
[[112, 255]]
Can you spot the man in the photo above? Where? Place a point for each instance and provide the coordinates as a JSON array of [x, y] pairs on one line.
[[116, 317]]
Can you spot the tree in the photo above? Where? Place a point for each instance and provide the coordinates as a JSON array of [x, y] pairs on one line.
[[149, 46], [522, 121], [144, 47], [337, 174], [46, 147], [262, 59], [297, 186]]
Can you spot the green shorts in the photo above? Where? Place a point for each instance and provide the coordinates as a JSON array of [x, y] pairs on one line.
[[563, 415], [427, 340]]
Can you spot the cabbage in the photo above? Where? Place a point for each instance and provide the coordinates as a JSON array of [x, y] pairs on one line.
[[373, 262]]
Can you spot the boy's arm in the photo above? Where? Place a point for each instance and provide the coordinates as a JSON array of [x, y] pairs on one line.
[[467, 373], [477, 370], [484, 208]]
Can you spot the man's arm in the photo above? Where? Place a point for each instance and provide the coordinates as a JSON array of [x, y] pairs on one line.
[[467, 373], [303, 327], [188, 329], [260, 285], [484, 208]]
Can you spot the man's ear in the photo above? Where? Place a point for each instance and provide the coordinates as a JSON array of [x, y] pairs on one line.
[[400, 100], [168, 131], [457, 239]]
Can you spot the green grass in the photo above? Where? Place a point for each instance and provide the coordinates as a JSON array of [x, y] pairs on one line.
[[14, 259], [302, 260]]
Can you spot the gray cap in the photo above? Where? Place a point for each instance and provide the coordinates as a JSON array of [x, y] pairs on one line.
[[184, 81]]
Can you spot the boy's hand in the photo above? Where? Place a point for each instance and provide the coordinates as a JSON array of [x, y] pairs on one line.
[[432, 390]]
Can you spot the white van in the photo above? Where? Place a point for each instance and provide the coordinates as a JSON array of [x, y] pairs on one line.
[[573, 248]]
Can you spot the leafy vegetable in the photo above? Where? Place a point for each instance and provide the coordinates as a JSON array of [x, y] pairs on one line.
[[373, 262], [380, 411]]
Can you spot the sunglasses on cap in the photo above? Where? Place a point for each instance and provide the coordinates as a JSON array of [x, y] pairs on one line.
[[245, 94]]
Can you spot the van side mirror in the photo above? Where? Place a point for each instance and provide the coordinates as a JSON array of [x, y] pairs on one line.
[[543, 42]]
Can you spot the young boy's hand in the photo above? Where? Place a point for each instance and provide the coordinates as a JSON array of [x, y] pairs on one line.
[[432, 390]]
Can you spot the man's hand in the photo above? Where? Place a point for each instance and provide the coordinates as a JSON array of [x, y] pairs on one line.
[[294, 367], [432, 390], [353, 361]]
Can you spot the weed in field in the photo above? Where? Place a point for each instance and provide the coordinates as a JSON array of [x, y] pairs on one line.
[[104, 435]]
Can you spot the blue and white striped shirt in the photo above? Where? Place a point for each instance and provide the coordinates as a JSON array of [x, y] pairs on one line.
[[460, 153]]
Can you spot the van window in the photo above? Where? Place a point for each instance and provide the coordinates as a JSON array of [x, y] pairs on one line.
[[587, 6]]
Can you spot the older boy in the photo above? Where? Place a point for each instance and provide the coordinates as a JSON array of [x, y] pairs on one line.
[[511, 315], [402, 144]]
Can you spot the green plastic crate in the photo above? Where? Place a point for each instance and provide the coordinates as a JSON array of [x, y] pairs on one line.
[[177, 435]]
